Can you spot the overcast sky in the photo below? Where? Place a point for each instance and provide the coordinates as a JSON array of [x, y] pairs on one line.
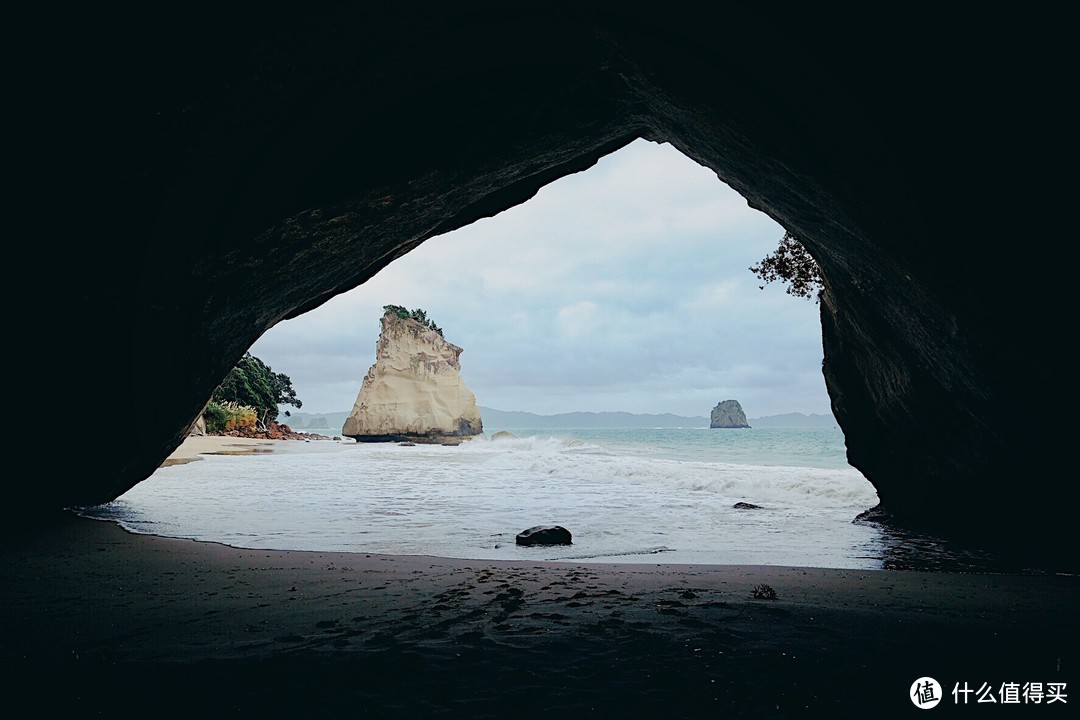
[[624, 287]]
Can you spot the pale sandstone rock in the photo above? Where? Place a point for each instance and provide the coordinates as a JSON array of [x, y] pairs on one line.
[[414, 391]]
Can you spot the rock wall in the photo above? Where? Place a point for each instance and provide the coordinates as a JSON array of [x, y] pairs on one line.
[[728, 414], [414, 390], [233, 174]]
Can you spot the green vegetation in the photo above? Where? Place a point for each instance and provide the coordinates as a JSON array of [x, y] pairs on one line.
[[226, 416], [791, 263], [255, 386], [417, 314]]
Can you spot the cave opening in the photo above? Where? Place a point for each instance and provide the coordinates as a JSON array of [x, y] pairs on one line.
[[601, 321], [624, 287]]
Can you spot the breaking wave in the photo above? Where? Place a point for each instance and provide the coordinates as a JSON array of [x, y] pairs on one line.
[[625, 496]]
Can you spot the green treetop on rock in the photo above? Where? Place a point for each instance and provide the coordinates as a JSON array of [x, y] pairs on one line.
[[791, 263], [416, 314]]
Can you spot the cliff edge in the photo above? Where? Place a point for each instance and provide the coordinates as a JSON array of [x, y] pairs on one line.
[[414, 391]]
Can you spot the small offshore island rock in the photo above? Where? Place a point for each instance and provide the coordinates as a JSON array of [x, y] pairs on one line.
[[545, 535], [728, 414], [414, 391]]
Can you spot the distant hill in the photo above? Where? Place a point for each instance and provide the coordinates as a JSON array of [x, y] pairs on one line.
[[331, 423], [794, 420], [316, 422], [517, 419]]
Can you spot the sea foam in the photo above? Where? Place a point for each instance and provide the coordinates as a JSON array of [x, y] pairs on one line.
[[627, 496]]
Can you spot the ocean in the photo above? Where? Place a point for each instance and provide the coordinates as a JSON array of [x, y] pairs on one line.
[[664, 495]]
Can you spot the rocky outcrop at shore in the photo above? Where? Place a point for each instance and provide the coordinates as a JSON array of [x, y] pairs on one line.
[[728, 414], [414, 391], [276, 431]]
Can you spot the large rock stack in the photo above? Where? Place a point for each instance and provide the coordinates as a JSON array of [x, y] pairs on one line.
[[414, 391], [728, 414]]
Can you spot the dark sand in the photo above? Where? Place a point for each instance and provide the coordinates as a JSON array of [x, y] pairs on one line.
[[97, 620]]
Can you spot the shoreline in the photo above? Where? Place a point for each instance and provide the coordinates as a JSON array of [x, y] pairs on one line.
[[902, 548], [97, 617], [90, 606], [952, 569], [195, 445]]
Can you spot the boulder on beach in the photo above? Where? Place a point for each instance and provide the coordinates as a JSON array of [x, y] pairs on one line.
[[545, 535]]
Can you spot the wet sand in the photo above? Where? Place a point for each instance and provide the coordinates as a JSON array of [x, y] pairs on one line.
[[98, 620], [196, 445]]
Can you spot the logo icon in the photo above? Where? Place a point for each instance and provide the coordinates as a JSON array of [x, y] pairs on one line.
[[925, 693]]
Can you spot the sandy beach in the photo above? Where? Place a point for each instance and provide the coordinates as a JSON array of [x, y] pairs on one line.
[[196, 445], [97, 620]]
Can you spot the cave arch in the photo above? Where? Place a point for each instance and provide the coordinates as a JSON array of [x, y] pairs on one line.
[[236, 173], [567, 295]]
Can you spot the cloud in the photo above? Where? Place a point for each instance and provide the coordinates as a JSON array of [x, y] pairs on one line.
[[624, 287], [578, 319]]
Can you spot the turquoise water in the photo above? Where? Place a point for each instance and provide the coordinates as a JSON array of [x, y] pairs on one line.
[[797, 447], [627, 495]]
